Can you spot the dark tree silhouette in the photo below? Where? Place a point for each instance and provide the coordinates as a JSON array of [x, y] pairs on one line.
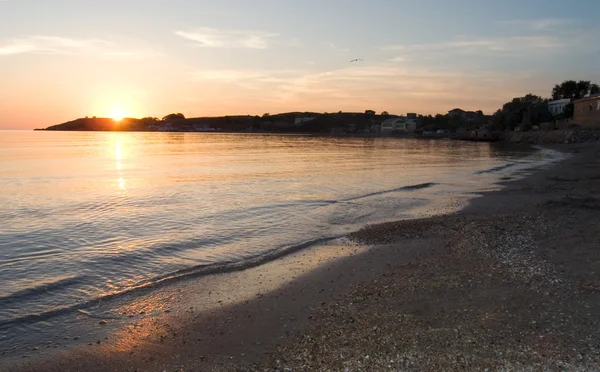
[[177, 116], [572, 89], [528, 110], [369, 113]]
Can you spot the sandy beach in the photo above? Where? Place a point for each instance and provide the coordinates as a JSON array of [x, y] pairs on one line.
[[511, 282]]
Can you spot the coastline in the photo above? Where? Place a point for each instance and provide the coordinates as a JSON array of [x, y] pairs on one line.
[[281, 322]]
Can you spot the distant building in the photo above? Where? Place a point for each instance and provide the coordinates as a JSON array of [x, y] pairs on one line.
[[587, 111], [165, 127], [203, 128], [400, 124], [469, 116], [299, 121], [557, 107], [457, 113]]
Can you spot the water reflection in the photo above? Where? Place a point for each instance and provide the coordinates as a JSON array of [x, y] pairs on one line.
[[121, 183], [119, 158], [200, 199]]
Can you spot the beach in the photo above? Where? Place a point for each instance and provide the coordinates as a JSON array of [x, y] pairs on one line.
[[510, 282]]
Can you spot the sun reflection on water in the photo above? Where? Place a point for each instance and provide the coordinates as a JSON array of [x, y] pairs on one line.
[[119, 158]]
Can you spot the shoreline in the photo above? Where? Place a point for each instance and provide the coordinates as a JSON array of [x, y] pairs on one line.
[[393, 245], [435, 206]]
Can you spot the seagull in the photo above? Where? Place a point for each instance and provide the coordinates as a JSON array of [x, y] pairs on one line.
[[356, 60]]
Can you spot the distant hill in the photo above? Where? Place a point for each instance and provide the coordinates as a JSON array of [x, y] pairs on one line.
[[84, 124], [290, 122]]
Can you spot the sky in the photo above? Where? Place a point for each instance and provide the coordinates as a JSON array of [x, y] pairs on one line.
[[65, 59]]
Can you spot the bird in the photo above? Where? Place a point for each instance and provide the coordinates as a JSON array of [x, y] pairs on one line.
[[356, 60]]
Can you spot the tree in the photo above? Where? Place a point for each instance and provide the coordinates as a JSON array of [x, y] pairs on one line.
[[571, 89], [369, 113], [266, 114], [567, 89], [385, 113], [527, 111], [177, 116], [498, 120], [583, 87]]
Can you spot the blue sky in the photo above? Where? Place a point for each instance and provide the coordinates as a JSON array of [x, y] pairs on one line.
[[62, 59]]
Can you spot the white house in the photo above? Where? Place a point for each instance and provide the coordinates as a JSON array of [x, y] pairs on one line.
[[398, 125], [165, 127], [203, 128], [299, 121], [557, 107]]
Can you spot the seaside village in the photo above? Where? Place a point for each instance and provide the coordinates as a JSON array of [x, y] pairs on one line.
[[574, 105]]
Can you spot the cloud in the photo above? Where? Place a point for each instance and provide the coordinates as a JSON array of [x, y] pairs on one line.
[[232, 75], [71, 46], [514, 44], [226, 75], [214, 38], [389, 86], [399, 59], [337, 47], [534, 37], [544, 24]]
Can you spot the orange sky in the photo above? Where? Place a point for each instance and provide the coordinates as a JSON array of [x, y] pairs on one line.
[[139, 58]]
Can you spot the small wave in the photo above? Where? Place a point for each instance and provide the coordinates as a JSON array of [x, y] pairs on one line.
[[496, 169], [196, 271], [403, 188], [43, 288]]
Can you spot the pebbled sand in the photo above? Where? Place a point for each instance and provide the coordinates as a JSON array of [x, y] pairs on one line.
[[511, 283]]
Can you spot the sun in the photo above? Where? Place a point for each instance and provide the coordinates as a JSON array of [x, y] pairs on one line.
[[117, 114]]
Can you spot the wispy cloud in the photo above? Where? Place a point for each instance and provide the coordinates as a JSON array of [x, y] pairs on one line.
[[544, 24], [399, 59], [262, 80], [337, 47], [377, 85], [71, 46], [215, 38], [227, 75], [499, 45], [518, 37]]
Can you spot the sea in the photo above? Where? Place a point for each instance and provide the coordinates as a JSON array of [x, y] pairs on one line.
[[88, 216]]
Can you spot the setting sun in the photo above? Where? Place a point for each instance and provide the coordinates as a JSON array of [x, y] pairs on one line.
[[117, 114]]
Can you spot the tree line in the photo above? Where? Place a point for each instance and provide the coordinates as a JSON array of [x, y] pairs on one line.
[[531, 110], [572, 89]]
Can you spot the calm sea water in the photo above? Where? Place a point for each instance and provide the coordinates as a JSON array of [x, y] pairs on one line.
[[85, 215]]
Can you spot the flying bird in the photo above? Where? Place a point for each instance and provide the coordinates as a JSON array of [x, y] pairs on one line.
[[356, 60]]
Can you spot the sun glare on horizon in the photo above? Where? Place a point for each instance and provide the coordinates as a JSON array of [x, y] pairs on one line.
[[117, 114]]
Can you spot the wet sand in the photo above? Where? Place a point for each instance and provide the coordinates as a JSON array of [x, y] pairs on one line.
[[512, 282]]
